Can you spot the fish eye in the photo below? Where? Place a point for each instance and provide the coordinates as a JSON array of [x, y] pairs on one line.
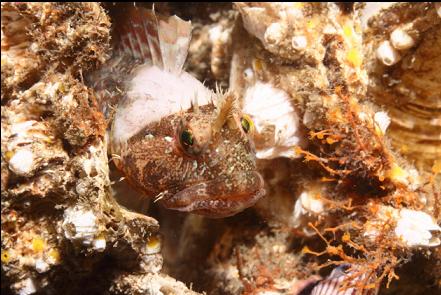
[[247, 123], [186, 138]]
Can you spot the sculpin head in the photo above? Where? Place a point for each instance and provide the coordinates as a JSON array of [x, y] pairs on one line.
[[201, 160], [190, 158]]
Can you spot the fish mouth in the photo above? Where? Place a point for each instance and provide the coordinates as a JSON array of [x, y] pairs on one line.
[[220, 197]]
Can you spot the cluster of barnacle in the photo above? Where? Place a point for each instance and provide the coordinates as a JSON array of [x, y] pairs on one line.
[[328, 69], [405, 77], [59, 220]]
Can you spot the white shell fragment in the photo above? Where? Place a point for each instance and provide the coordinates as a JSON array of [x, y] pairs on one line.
[[415, 228], [22, 162], [80, 225], [41, 266], [27, 287], [387, 54], [401, 40]]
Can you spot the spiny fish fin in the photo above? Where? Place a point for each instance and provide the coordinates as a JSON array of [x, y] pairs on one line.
[[137, 30], [174, 39], [154, 39]]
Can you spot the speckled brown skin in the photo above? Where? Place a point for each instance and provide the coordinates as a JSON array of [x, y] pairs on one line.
[[216, 176]]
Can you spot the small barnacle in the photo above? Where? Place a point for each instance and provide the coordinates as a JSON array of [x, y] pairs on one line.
[[275, 33], [294, 12], [153, 245], [299, 42], [308, 207], [401, 40], [387, 54], [80, 225], [248, 74], [416, 228]]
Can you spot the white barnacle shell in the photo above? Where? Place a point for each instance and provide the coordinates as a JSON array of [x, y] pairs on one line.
[[401, 40], [275, 119], [80, 225], [307, 204], [415, 228], [387, 54], [307, 208], [248, 75], [299, 42], [275, 33]]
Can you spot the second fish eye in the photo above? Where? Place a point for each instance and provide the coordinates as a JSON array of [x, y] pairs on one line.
[[247, 123], [186, 138]]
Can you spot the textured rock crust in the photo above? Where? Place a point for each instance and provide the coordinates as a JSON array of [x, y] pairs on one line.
[[61, 227]]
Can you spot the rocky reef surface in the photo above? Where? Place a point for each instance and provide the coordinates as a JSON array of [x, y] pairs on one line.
[[346, 103]]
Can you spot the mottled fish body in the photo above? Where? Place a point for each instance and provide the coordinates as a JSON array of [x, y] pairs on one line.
[[174, 139]]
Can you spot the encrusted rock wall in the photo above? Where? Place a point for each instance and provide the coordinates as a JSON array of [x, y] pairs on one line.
[[62, 231]]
